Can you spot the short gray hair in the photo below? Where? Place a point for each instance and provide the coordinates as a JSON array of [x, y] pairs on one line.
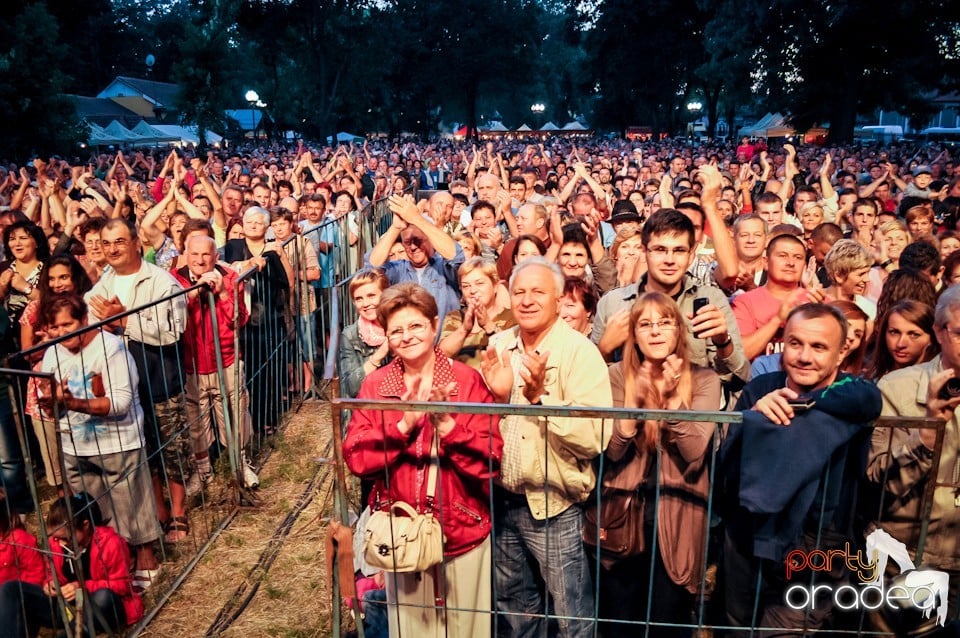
[[259, 212], [207, 238], [540, 262], [948, 303]]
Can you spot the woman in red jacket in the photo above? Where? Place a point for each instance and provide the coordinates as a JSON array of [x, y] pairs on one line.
[[19, 558], [393, 448], [96, 560]]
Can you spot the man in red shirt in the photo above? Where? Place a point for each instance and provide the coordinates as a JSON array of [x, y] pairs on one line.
[[203, 381]]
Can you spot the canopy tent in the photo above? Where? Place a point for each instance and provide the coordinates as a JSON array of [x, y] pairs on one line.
[[752, 129], [524, 128], [574, 126], [770, 125], [186, 134], [119, 132], [496, 127], [549, 126], [153, 134], [778, 127], [99, 137]]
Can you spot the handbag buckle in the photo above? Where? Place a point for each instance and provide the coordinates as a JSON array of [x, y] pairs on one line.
[[383, 550]]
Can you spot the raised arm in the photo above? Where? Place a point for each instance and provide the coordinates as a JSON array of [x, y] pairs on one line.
[[826, 186], [790, 170], [404, 206], [728, 264]]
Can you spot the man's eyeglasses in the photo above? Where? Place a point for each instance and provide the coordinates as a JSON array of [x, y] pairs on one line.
[[119, 243], [663, 251], [953, 333]]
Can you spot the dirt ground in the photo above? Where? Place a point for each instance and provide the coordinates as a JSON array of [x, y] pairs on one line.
[[292, 599]]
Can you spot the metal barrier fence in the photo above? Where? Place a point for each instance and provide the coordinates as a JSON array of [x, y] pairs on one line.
[[704, 607], [260, 334], [141, 418], [341, 244]]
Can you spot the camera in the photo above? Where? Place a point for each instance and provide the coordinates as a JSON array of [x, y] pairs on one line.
[[950, 389]]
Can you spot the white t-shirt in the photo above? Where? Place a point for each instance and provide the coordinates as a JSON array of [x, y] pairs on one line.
[[85, 434], [123, 288]]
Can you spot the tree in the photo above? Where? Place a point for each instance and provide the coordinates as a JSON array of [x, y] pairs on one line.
[[95, 39], [644, 58], [829, 61], [39, 117], [202, 69], [724, 77]]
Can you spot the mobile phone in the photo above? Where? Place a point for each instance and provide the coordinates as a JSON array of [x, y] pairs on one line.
[[801, 404], [698, 304]]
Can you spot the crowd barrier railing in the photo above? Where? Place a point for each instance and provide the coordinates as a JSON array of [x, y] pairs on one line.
[[138, 455], [341, 244], [705, 609]]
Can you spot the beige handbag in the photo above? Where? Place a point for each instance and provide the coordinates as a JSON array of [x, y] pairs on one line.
[[401, 539]]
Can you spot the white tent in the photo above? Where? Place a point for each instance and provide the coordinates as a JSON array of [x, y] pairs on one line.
[[120, 133], [496, 127], [573, 126], [152, 134], [549, 126], [778, 127], [99, 137], [524, 127], [186, 134], [770, 125]]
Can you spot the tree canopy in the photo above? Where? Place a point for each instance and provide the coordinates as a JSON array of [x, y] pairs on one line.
[[406, 65]]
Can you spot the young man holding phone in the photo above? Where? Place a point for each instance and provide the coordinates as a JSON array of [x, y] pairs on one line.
[[669, 244]]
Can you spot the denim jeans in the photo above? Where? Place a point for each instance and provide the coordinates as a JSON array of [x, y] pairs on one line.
[[13, 478], [556, 547], [375, 614], [24, 609]]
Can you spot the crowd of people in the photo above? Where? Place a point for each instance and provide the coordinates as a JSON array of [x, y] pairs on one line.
[[809, 289]]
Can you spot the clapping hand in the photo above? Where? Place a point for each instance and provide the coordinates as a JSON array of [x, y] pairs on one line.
[[498, 373]]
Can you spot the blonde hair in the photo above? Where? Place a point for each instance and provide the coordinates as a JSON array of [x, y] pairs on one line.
[[471, 239], [649, 397], [371, 276], [486, 266], [846, 256], [892, 225], [623, 235]]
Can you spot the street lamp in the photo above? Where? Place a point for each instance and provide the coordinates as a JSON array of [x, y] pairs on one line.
[[252, 97], [693, 107], [537, 109]]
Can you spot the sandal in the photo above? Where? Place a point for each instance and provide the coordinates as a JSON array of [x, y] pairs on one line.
[[144, 578], [177, 529]]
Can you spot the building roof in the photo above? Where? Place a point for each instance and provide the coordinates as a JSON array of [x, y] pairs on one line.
[[102, 111], [160, 93]]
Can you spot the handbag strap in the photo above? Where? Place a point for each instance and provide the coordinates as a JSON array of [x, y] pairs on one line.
[[434, 467]]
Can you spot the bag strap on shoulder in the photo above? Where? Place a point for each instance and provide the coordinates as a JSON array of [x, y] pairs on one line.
[[434, 468]]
